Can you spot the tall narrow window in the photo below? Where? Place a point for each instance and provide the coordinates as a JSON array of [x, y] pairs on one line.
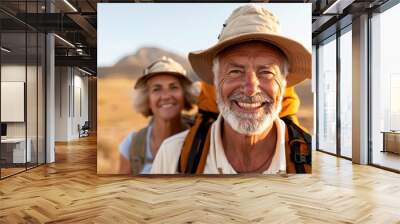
[[385, 89], [346, 94], [327, 96]]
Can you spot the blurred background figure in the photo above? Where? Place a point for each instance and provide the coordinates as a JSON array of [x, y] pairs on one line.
[[162, 92]]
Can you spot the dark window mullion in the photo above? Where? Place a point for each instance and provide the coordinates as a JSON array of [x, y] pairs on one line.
[[37, 91], [338, 95], [0, 95], [316, 96], [26, 87], [369, 78]]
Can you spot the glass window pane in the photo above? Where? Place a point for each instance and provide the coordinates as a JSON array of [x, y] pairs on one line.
[[327, 97], [14, 151], [346, 94], [31, 97], [41, 98], [32, 86], [22, 87], [385, 89]]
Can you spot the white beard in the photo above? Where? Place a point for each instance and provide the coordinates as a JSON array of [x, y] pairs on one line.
[[248, 124]]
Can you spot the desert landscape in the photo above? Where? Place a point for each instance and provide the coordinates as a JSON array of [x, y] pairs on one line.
[[116, 117]]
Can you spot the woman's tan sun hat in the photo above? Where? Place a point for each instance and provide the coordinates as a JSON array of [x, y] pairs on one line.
[[165, 65], [248, 23]]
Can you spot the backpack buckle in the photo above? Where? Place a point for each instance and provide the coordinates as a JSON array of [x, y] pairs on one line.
[[300, 156]]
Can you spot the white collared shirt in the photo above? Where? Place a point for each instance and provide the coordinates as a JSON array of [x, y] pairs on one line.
[[166, 161]]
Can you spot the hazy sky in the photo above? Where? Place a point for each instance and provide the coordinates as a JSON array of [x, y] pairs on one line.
[[181, 28]]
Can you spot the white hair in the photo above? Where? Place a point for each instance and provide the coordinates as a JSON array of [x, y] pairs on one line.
[[244, 124]]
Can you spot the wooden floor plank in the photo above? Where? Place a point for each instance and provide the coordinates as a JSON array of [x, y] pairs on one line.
[[70, 191]]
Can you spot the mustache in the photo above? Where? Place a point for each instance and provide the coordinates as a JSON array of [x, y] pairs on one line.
[[260, 97]]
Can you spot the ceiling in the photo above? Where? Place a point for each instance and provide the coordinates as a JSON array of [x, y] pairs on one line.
[[75, 22]]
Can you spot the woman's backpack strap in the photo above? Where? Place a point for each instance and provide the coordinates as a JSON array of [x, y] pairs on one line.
[[137, 151]]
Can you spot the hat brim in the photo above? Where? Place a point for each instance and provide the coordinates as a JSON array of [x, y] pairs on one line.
[[142, 80], [299, 57]]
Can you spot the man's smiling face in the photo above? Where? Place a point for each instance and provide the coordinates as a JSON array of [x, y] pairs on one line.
[[250, 85]]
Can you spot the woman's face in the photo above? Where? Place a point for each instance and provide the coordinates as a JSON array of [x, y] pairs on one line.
[[166, 98]]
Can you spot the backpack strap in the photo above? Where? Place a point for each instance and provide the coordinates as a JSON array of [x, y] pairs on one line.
[[197, 144], [137, 151], [297, 148]]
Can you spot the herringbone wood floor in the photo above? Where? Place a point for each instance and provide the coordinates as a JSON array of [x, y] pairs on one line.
[[70, 191]]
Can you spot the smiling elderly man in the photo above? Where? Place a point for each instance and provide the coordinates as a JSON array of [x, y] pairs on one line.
[[250, 66]]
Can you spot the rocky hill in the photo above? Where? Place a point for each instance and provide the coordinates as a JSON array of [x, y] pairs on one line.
[[131, 66]]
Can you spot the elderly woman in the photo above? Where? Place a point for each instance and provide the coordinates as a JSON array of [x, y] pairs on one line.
[[163, 92]]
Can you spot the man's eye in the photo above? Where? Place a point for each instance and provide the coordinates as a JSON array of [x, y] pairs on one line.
[[235, 72], [156, 90], [266, 74]]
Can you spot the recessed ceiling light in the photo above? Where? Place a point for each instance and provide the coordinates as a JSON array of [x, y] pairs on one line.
[[5, 50], [64, 40], [84, 71], [71, 6]]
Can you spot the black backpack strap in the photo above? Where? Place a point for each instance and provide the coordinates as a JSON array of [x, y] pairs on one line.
[[297, 138], [198, 142], [198, 145]]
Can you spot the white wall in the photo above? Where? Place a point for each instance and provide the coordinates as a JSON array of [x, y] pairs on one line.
[[62, 80], [71, 93], [17, 73], [81, 102]]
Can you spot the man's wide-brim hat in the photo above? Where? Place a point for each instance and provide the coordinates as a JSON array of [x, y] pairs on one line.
[[252, 23], [164, 65]]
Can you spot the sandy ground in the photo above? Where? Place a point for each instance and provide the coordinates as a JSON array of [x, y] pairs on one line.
[[116, 118]]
